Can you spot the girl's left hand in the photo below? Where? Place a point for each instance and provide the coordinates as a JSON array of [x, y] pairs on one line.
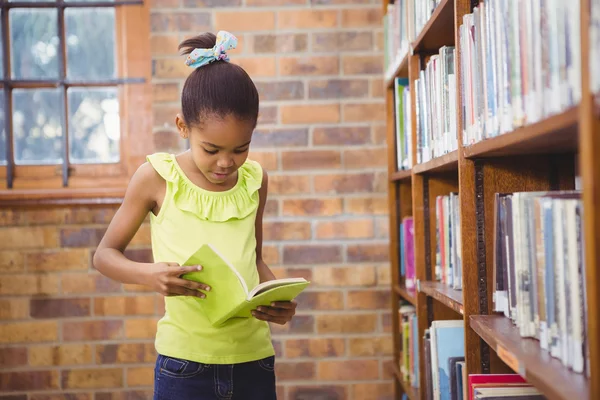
[[279, 312]]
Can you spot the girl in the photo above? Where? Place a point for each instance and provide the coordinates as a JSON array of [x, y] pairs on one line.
[[209, 194]]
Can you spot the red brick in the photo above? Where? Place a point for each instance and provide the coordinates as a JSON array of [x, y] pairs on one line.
[[280, 137], [361, 17], [311, 254], [348, 370], [28, 380], [287, 371], [344, 136], [64, 354], [284, 272], [346, 183], [170, 68], [366, 205], [373, 391], [164, 115], [211, 3], [345, 276], [83, 215], [59, 308], [165, 92], [28, 238], [11, 218], [340, 2], [165, 44], [379, 134], [349, 41], [356, 65], [338, 88], [63, 396], [307, 19], [11, 309], [92, 378], [288, 184], [280, 43], [286, 230], [140, 328], [275, 2], [58, 260], [315, 347], [365, 158], [312, 66], [140, 376], [285, 90], [167, 140], [125, 353], [376, 252], [364, 112], [125, 395], [257, 66], [324, 392], [125, 305], [267, 159], [370, 347], [11, 261], [325, 207], [92, 330], [329, 300], [299, 324], [271, 208], [13, 357], [377, 88], [38, 284], [81, 237], [384, 275], [84, 283], [180, 21], [311, 159], [349, 229], [164, 3], [270, 254], [267, 114], [382, 227], [239, 21], [346, 323], [369, 299], [310, 113], [386, 322]]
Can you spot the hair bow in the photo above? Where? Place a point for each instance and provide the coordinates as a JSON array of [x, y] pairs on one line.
[[200, 57]]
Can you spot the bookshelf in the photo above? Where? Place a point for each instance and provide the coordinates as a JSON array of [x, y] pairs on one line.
[[545, 155]]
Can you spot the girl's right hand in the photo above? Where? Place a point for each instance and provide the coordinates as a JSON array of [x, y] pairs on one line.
[[165, 278]]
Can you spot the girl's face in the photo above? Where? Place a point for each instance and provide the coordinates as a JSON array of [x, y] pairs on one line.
[[219, 146]]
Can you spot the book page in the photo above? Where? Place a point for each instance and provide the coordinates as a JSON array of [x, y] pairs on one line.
[[272, 284]]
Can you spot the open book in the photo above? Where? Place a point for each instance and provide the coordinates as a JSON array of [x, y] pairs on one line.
[[229, 295]]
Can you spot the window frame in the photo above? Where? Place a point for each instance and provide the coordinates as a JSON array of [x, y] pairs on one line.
[[133, 58]]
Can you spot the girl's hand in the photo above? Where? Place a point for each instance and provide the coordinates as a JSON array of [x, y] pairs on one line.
[[165, 278], [279, 312]]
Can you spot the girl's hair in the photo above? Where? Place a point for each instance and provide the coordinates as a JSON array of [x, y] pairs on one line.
[[217, 89]]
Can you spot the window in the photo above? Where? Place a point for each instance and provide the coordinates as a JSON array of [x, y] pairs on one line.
[[73, 93]]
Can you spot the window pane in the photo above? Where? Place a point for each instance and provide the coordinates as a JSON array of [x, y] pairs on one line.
[[34, 43], [90, 35], [94, 125], [37, 132], [2, 130]]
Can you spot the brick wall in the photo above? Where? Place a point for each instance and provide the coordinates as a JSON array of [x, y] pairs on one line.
[[64, 329]]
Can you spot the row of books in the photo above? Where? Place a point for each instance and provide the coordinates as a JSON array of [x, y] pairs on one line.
[[403, 22], [435, 106], [402, 123], [448, 265], [409, 329], [539, 271], [520, 63], [407, 253]]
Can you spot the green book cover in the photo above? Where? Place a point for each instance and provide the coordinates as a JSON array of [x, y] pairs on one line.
[[229, 296]]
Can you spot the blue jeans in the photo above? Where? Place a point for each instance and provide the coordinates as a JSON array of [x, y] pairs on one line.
[[177, 379]]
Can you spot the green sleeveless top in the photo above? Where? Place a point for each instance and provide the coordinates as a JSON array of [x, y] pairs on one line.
[[189, 217]]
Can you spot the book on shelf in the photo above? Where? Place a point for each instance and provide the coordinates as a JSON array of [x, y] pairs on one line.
[[230, 296], [409, 360], [500, 386], [448, 265], [539, 269], [407, 252], [396, 35], [446, 343], [520, 63], [435, 98], [402, 119]]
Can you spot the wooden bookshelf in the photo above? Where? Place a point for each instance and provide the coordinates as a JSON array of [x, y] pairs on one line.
[[538, 156], [400, 175], [447, 162], [406, 294], [527, 358], [449, 297], [411, 392], [401, 71]]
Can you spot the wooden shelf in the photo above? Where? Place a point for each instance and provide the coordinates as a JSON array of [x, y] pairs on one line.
[[400, 175], [445, 163], [451, 298], [412, 392], [526, 357], [401, 70], [556, 134], [438, 31], [409, 295]]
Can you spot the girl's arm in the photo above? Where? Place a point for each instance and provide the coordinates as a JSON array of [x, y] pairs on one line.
[[140, 199], [279, 312]]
